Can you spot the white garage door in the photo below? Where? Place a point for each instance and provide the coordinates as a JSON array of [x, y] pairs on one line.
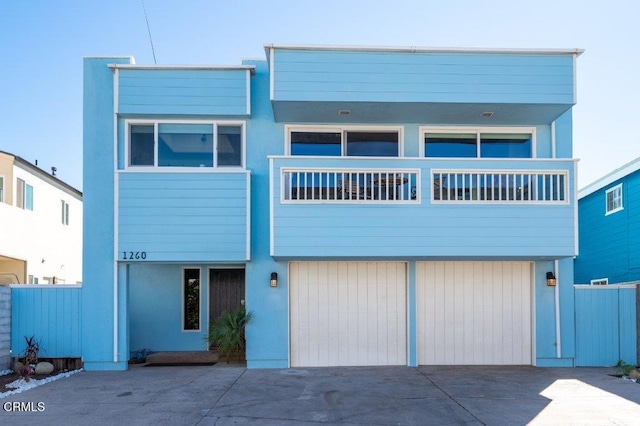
[[347, 313], [474, 313]]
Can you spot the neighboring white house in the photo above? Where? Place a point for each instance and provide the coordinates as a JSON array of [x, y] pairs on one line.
[[40, 226]]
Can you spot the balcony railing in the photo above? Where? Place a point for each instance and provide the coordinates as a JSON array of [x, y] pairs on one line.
[[491, 186], [350, 185]]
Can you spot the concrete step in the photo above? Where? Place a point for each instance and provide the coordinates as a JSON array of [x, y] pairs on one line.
[[183, 357]]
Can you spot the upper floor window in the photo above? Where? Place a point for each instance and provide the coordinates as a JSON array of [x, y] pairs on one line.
[[360, 141], [65, 212], [1, 189], [614, 199], [195, 144], [600, 281], [24, 195], [473, 143]]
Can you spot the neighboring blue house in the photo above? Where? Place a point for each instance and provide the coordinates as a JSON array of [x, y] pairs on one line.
[[607, 268], [609, 227], [372, 206]]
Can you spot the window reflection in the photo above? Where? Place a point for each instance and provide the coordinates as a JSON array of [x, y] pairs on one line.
[[316, 143], [450, 145], [501, 145], [229, 146], [185, 145], [372, 144], [141, 146]]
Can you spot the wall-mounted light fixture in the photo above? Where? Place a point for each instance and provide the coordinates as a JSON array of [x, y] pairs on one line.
[[551, 279], [274, 279]]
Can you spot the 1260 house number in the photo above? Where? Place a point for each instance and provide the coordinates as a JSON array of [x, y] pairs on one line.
[[134, 255]]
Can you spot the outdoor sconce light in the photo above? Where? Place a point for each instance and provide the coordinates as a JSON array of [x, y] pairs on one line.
[[274, 279], [551, 279]]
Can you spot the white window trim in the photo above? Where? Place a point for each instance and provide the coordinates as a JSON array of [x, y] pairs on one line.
[[606, 200], [214, 123], [598, 280], [184, 268], [477, 130], [288, 128]]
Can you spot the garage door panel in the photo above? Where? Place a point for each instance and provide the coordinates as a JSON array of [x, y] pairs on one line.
[[474, 313], [355, 313]]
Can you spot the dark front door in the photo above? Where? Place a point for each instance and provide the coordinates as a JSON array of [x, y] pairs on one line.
[[226, 291]]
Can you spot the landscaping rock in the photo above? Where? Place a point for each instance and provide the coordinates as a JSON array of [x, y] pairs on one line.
[[634, 374], [17, 366], [44, 368]]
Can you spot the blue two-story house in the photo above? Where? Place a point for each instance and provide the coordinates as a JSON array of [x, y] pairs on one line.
[[609, 228], [370, 206]]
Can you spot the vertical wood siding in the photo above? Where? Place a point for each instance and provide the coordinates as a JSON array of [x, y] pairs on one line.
[[347, 313], [605, 325], [211, 92], [52, 315], [183, 216], [474, 313], [423, 77]]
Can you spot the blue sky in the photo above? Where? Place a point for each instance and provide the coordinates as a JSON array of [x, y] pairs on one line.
[[43, 43]]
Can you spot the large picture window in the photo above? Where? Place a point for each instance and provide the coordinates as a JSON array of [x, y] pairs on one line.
[[193, 144], [191, 299], [336, 142], [484, 143]]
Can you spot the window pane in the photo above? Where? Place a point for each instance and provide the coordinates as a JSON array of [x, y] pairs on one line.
[[372, 144], [229, 146], [28, 197], [450, 145], [20, 193], [141, 146], [65, 212], [185, 145], [502, 145], [1, 189], [316, 143], [191, 299]]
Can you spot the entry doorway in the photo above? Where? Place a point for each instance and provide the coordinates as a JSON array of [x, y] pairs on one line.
[[226, 291]]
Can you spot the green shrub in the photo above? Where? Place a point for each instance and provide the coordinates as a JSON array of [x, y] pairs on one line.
[[624, 368], [227, 332]]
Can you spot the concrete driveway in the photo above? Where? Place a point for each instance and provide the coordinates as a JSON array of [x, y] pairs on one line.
[[227, 394]]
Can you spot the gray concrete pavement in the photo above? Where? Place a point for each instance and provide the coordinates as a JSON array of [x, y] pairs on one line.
[[227, 394]]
